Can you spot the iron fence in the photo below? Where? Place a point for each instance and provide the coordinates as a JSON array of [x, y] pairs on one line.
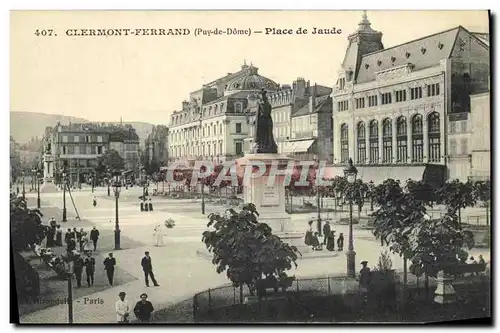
[[226, 296]]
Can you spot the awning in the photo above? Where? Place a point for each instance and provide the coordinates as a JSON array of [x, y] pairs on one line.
[[297, 146]]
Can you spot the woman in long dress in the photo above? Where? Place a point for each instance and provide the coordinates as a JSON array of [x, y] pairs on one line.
[[158, 234]]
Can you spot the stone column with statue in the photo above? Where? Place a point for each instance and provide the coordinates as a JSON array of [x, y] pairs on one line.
[[267, 192]]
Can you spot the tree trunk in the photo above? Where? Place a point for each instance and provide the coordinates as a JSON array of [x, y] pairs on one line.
[[405, 270], [426, 288], [459, 216]]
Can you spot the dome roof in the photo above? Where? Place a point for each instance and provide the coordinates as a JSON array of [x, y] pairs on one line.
[[250, 80]]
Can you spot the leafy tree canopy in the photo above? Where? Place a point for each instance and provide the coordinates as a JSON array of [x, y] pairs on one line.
[[246, 249], [111, 160], [456, 195], [26, 225]]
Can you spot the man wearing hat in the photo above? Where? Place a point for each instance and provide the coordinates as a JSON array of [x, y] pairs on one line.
[[143, 309], [122, 308], [364, 277]]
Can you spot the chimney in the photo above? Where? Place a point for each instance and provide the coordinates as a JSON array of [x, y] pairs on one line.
[[300, 86], [312, 99], [185, 105]]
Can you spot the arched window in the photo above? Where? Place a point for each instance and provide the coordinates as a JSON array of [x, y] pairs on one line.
[[387, 140], [344, 143], [361, 138], [374, 155], [434, 131], [402, 140], [417, 138]]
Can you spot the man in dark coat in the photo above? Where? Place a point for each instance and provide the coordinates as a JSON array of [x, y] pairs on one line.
[[326, 232], [143, 309], [109, 267], [79, 263], [150, 204], [147, 267], [94, 236], [89, 269], [58, 241], [68, 235], [364, 277], [340, 242]]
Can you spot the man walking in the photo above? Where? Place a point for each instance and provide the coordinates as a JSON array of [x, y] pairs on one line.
[[89, 269], [94, 201], [79, 263], [94, 236], [143, 309], [109, 267], [147, 267], [122, 308], [326, 232]]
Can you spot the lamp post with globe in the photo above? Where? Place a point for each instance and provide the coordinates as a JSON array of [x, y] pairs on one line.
[[350, 173], [117, 185]]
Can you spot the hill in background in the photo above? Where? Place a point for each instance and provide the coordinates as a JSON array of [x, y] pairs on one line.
[[26, 125]]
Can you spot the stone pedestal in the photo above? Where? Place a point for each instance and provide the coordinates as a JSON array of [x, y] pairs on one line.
[[267, 193], [445, 293]]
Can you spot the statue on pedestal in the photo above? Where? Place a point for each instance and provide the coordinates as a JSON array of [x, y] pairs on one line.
[[264, 138]]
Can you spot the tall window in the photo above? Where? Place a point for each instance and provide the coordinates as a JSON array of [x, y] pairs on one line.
[[386, 98], [374, 142], [343, 105], [360, 103], [372, 100], [400, 95], [453, 147], [239, 147], [402, 140], [433, 89], [361, 136], [417, 138], [387, 141], [344, 143], [238, 128], [342, 83], [416, 93], [434, 137], [464, 147]]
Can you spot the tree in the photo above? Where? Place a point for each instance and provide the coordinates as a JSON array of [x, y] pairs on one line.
[[26, 225], [456, 195], [422, 191], [483, 193], [396, 217], [111, 160], [438, 243], [246, 249]]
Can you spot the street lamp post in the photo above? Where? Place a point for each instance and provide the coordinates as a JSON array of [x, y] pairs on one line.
[[65, 183], [371, 186], [24, 189], [117, 185], [202, 197], [318, 200], [38, 175], [350, 173]]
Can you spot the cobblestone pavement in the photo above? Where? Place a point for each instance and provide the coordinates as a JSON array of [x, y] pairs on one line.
[[179, 270]]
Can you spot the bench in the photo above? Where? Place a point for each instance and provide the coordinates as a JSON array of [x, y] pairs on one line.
[[273, 283], [462, 269]]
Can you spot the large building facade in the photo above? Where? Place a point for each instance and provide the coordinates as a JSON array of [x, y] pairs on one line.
[[213, 124], [78, 146], [393, 106], [297, 112]]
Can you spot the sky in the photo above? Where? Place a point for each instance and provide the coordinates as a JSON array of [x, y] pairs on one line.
[[145, 78]]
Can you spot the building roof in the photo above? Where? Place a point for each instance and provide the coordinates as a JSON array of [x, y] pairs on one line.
[[421, 53], [236, 95], [251, 80], [323, 104]]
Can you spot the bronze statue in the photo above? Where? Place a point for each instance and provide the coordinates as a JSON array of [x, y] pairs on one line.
[[264, 138]]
